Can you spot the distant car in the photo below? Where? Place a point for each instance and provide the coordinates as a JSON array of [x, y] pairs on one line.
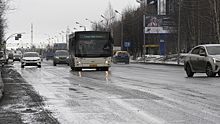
[[121, 57], [203, 59], [31, 59], [61, 57], [49, 55], [10, 55], [2, 58], [16, 57]]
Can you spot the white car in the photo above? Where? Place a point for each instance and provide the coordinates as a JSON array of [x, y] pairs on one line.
[[31, 59]]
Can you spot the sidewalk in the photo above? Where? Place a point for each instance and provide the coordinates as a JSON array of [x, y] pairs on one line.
[[21, 104], [1, 85]]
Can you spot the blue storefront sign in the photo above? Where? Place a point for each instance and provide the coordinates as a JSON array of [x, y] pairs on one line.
[[127, 44], [162, 45]]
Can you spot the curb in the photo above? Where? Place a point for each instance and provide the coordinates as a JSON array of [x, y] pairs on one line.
[[171, 64], [1, 87]]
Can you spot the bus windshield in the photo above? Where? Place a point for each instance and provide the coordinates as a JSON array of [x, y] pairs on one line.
[[93, 48]]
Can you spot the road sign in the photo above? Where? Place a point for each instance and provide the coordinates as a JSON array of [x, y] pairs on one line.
[[3, 45], [127, 44]]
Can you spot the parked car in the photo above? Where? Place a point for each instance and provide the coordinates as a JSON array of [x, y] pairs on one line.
[[61, 57], [31, 59], [2, 58], [121, 57], [203, 59], [17, 57]]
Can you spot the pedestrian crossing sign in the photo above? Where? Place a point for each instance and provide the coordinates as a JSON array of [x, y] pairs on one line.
[[3, 45]]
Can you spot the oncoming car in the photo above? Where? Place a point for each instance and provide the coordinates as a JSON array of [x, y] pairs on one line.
[[16, 57], [121, 57], [31, 59], [61, 57], [203, 59]]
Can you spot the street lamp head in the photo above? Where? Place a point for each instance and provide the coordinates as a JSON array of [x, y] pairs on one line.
[[77, 22], [102, 16], [116, 11]]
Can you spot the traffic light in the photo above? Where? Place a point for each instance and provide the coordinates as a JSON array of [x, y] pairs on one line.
[[19, 35], [16, 38]]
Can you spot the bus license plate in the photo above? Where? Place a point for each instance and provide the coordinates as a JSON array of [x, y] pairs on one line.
[[92, 65]]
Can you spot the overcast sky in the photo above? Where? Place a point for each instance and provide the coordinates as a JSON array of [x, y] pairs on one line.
[[51, 17]]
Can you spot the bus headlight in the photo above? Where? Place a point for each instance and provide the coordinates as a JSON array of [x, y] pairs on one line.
[[106, 62], [78, 62]]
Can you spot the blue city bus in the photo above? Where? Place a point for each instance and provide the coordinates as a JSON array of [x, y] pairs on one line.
[[90, 49]]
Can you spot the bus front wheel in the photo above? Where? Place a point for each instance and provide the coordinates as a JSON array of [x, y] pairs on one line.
[[78, 69]]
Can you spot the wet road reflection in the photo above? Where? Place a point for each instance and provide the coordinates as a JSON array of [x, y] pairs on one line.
[[134, 93]]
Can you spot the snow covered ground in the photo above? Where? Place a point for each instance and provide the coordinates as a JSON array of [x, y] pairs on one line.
[[168, 59]]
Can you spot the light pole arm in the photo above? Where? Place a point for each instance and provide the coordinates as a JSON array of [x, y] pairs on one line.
[[12, 36]]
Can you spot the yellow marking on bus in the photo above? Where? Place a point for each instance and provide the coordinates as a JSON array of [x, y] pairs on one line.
[[92, 65]]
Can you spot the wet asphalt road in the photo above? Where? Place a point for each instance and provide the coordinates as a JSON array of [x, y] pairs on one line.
[[126, 94]]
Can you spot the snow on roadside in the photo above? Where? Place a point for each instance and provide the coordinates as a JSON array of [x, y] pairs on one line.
[[168, 59]]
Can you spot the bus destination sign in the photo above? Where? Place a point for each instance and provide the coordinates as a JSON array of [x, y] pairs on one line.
[[91, 36]]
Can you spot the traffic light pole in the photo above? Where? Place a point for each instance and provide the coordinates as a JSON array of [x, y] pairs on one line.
[[13, 35]]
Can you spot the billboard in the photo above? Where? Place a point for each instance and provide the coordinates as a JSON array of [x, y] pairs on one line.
[[157, 24]]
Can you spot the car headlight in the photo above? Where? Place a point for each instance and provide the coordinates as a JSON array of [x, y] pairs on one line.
[[38, 59], [56, 57], [67, 57], [215, 60]]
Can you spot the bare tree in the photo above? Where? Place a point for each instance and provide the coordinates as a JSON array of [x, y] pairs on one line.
[[2, 20], [214, 7]]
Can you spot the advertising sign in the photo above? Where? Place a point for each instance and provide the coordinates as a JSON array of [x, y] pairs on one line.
[[157, 24]]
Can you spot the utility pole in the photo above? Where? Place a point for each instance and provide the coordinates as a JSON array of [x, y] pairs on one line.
[[144, 28], [31, 34], [178, 61]]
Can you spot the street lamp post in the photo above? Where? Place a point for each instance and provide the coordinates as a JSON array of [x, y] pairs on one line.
[[107, 21], [178, 62], [122, 32], [81, 26], [62, 36], [57, 39], [144, 50], [48, 38], [93, 23]]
